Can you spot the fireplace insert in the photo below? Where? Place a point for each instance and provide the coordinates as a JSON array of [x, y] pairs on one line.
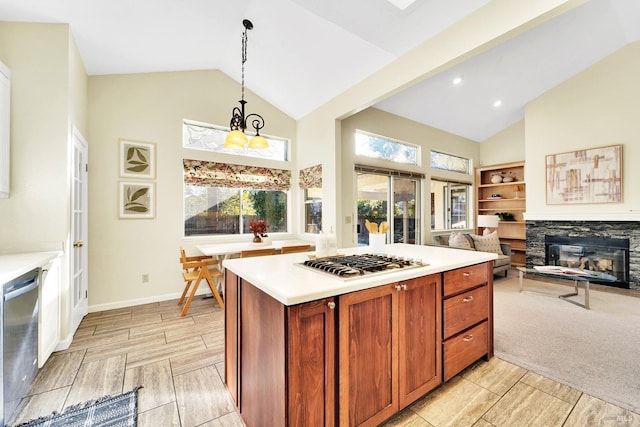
[[603, 254]]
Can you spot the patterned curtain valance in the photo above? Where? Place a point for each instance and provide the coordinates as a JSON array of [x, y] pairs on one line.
[[311, 177], [212, 174]]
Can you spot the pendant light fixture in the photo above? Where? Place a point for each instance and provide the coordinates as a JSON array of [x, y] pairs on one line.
[[236, 138]]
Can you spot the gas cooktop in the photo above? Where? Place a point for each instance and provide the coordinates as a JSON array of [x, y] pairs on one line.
[[354, 266]]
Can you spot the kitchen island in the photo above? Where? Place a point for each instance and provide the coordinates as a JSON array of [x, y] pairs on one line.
[[306, 348]]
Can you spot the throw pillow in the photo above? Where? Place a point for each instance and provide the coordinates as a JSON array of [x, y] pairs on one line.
[[488, 243], [459, 240]]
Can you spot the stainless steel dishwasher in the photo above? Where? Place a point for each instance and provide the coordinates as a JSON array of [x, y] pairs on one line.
[[19, 339]]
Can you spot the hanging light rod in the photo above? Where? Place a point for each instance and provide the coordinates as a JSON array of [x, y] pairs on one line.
[[236, 138]]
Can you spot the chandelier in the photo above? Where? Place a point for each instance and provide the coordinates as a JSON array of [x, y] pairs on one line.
[[236, 138]]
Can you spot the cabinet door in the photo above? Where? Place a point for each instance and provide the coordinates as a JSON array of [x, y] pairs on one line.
[[419, 337], [368, 351], [311, 369], [49, 314]]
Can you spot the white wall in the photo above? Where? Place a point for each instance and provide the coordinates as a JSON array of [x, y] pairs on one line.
[[151, 107], [597, 107], [319, 132]]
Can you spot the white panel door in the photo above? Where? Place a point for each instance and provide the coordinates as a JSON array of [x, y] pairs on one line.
[[79, 231]]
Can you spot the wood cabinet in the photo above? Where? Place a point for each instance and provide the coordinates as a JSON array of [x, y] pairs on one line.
[[467, 330], [389, 340], [279, 360], [5, 107], [494, 197], [355, 359]]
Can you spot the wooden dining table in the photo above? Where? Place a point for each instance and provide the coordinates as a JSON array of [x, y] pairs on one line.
[[223, 251]]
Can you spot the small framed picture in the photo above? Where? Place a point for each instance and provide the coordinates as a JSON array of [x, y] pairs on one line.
[[136, 200], [137, 159]]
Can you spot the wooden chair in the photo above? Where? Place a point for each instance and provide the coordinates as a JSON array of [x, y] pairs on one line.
[[295, 248], [257, 252], [194, 270]]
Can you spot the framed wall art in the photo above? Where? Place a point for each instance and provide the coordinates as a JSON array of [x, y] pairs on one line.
[[137, 159], [136, 200], [593, 175]]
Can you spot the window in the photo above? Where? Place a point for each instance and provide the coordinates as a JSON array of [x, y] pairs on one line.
[[378, 147], [221, 199], [202, 136], [449, 162], [311, 183], [449, 205], [313, 210]]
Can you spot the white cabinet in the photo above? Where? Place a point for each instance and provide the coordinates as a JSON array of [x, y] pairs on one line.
[[49, 313], [5, 106]]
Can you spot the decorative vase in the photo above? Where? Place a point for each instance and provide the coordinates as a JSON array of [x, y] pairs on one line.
[[257, 239], [496, 178]]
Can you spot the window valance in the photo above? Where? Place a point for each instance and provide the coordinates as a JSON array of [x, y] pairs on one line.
[[213, 174], [311, 177]]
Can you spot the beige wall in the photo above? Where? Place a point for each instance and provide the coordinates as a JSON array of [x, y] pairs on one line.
[[504, 147], [151, 108], [48, 98], [427, 138], [595, 108]]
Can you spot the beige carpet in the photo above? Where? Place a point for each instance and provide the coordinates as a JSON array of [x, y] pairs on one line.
[[596, 351]]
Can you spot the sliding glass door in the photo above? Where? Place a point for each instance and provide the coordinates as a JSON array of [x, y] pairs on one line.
[[390, 198]]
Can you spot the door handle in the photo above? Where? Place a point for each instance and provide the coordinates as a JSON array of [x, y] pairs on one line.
[[77, 244]]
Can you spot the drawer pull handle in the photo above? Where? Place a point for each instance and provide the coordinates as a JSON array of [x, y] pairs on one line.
[[468, 299], [467, 273], [468, 338], [398, 288], [404, 287], [331, 305]]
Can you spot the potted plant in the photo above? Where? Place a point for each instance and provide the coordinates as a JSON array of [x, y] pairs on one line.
[[259, 230]]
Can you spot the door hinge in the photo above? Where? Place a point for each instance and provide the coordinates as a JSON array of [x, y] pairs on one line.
[[86, 167], [86, 293]]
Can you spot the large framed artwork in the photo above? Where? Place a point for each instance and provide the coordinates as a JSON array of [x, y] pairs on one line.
[[137, 159], [136, 200], [593, 175]]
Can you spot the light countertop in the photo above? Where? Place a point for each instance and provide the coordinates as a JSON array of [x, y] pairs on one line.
[[281, 276], [14, 265]]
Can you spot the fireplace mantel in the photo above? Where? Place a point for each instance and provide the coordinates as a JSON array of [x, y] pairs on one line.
[[633, 215]]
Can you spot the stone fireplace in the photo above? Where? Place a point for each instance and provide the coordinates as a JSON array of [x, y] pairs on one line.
[[608, 247]]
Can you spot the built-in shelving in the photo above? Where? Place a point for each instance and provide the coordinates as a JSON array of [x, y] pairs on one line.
[[492, 198]]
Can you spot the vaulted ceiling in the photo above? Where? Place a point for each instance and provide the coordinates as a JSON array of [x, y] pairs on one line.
[[302, 53]]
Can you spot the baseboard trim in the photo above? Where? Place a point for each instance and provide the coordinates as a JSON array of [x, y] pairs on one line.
[[139, 301]]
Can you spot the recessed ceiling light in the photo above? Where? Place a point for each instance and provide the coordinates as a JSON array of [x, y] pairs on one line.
[[402, 4], [497, 103], [456, 81]]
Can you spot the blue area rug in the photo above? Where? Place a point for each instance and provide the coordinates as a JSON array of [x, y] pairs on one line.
[[111, 411]]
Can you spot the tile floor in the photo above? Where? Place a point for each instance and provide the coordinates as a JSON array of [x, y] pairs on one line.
[[179, 362]]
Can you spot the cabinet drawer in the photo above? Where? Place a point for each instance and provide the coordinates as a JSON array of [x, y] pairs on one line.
[[465, 278], [463, 349], [464, 310]]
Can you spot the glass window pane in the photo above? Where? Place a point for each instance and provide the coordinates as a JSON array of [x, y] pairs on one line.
[[271, 206], [449, 162], [449, 205], [211, 210], [313, 210], [377, 147], [404, 210], [219, 210], [373, 194], [202, 136]]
